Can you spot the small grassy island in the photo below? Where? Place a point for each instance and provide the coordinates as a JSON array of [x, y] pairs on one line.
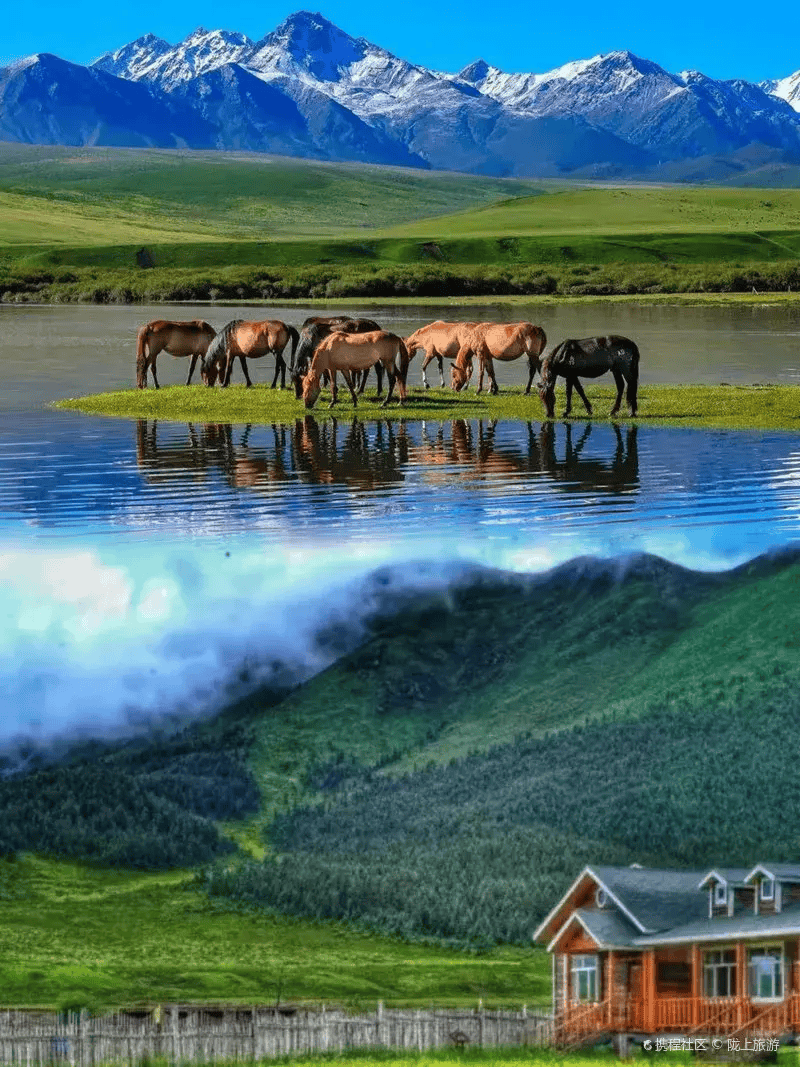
[[742, 407]]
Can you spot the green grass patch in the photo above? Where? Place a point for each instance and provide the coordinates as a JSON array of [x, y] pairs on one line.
[[754, 407], [100, 938]]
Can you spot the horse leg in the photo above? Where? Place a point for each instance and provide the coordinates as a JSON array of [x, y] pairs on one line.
[[633, 386], [278, 361], [532, 365], [440, 361], [153, 371], [494, 389], [379, 376], [243, 362], [390, 374], [192, 365], [620, 380], [582, 395], [568, 408], [348, 377], [226, 381], [425, 363]]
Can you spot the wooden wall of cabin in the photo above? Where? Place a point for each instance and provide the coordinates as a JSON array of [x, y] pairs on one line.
[[674, 972]]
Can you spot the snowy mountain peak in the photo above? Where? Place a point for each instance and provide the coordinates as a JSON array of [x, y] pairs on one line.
[[476, 72], [315, 45]]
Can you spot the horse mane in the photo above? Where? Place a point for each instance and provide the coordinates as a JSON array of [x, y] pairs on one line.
[[219, 346]]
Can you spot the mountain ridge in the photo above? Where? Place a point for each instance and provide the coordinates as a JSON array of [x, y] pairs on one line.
[[330, 95]]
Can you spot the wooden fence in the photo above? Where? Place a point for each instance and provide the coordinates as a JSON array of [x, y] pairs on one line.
[[200, 1035]]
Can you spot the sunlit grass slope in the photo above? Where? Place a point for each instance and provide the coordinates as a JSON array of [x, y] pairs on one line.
[[84, 937]]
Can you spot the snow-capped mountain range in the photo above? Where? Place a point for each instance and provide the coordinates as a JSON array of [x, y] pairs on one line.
[[309, 89]]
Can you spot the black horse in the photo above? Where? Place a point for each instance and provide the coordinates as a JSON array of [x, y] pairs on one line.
[[590, 358], [313, 331]]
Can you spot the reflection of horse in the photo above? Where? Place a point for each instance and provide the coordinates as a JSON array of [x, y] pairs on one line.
[[438, 340], [322, 457], [474, 447], [250, 340], [503, 341], [177, 338], [349, 352], [590, 358], [317, 327]]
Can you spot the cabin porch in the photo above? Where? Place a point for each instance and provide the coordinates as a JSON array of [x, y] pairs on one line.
[[731, 990]]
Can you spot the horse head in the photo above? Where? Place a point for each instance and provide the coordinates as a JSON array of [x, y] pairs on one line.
[[547, 388], [312, 386], [459, 376], [210, 370]]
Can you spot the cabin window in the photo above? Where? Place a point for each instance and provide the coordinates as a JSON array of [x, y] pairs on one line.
[[584, 977], [719, 973], [720, 893], [766, 972], [768, 889]]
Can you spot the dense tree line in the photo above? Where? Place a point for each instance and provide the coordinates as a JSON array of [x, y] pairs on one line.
[[150, 802], [478, 851]]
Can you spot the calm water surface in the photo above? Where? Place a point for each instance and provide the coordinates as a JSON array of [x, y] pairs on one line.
[[143, 561]]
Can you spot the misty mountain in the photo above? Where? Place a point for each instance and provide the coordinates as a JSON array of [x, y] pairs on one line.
[[309, 89]]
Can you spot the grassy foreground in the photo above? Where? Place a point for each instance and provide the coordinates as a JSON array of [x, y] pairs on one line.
[[752, 407], [79, 936]]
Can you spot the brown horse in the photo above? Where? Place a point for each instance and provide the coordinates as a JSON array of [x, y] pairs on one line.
[[439, 340], [495, 340], [590, 358], [177, 338], [250, 340], [312, 332], [349, 352]]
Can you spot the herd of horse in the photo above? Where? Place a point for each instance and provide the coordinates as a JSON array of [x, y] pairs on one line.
[[326, 346]]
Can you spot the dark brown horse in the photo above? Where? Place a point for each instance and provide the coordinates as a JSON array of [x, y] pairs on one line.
[[177, 338], [590, 358], [350, 352], [250, 340], [317, 327], [497, 340]]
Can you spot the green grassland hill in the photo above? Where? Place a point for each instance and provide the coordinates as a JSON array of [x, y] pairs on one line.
[[235, 226]]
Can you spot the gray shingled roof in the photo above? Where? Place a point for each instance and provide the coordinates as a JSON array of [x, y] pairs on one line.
[[657, 899], [732, 875], [789, 871], [723, 928], [609, 928]]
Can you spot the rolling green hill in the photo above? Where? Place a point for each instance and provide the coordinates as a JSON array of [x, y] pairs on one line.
[[227, 225]]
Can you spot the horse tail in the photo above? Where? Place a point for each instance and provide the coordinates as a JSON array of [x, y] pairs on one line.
[[294, 337], [633, 380], [402, 360], [142, 355]]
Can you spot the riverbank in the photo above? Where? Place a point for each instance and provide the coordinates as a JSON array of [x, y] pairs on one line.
[[741, 407]]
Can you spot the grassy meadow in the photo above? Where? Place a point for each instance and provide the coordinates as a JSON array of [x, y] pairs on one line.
[[237, 226], [78, 936], [775, 407]]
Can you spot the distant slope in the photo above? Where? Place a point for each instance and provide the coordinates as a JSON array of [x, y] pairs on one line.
[[480, 747]]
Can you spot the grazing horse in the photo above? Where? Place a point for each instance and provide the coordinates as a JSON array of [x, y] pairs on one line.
[[177, 338], [439, 340], [250, 340], [349, 352], [590, 358], [504, 341], [317, 327]]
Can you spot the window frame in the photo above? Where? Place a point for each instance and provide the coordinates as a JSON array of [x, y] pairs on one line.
[[579, 965], [762, 887], [767, 951], [720, 893], [712, 968]]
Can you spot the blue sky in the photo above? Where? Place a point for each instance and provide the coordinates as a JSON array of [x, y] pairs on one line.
[[722, 38]]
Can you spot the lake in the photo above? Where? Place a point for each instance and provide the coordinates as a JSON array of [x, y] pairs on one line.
[[145, 563]]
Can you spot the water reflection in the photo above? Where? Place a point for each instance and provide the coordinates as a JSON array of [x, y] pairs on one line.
[[373, 457]]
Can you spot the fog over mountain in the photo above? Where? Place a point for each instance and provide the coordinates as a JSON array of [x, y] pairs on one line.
[[309, 89]]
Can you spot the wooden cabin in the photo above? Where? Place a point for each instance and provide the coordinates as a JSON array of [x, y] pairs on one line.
[[644, 952]]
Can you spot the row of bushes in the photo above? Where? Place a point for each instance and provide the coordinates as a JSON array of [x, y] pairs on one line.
[[90, 285]]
